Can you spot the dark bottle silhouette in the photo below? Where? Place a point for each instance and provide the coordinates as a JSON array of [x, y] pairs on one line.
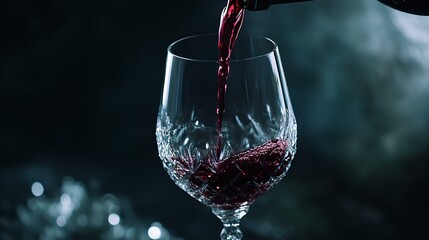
[[257, 5], [418, 7]]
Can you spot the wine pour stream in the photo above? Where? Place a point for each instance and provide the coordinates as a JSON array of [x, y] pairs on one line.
[[230, 24]]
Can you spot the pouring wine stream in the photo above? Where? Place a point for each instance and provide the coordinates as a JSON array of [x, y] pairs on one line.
[[230, 24]]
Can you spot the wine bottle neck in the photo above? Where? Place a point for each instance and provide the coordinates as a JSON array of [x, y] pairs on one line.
[[418, 7], [257, 5]]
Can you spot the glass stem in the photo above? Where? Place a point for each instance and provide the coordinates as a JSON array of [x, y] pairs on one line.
[[231, 222]]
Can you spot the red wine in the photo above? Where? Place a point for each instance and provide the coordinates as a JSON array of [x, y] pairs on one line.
[[240, 178], [230, 24]]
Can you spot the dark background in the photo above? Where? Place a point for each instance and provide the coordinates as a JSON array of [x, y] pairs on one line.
[[80, 83]]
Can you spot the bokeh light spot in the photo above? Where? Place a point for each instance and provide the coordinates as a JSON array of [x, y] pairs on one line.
[[61, 221], [37, 189], [114, 219], [154, 232], [65, 199]]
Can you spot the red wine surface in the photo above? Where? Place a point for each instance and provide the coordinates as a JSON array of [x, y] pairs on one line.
[[240, 178], [230, 24]]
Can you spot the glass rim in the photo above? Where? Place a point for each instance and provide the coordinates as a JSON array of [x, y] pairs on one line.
[[268, 52]]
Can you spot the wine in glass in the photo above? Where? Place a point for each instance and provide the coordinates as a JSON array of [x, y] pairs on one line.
[[226, 169]]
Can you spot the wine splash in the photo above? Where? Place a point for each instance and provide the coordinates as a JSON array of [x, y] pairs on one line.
[[230, 24]]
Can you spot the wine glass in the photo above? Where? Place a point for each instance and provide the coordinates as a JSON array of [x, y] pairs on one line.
[[258, 132]]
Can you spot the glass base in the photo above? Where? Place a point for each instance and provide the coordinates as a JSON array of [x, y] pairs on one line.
[[231, 222]]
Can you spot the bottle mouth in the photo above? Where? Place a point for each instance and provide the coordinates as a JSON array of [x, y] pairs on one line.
[[204, 48]]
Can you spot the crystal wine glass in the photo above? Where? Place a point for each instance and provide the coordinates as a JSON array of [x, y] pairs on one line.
[[258, 135]]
